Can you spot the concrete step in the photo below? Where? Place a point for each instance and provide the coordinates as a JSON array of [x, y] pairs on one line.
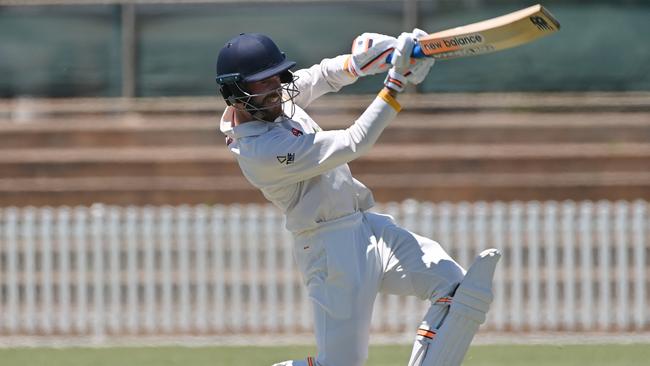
[[504, 158], [517, 128], [162, 161], [409, 127], [126, 191], [382, 159], [108, 136], [438, 187], [26, 109], [386, 187]]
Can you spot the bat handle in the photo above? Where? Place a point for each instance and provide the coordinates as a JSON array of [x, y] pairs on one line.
[[417, 53]]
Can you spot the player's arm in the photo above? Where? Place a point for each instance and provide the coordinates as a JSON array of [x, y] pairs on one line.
[[368, 57]]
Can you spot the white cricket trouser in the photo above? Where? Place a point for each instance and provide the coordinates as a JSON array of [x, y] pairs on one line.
[[346, 262]]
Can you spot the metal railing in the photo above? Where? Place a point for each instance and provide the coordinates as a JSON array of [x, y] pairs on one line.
[[213, 270]]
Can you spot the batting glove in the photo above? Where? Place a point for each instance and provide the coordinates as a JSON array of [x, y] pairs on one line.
[[369, 53], [401, 61], [420, 69]]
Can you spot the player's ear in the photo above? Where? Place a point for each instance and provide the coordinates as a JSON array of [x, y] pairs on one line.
[[227, 94]]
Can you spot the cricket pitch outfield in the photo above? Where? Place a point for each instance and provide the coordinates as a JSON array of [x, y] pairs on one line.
[[501, 355]]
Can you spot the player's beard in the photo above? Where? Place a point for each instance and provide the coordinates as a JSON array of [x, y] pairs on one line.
[[274, 105]]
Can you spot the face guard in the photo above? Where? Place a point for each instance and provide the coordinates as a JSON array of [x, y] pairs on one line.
[[236, 96]]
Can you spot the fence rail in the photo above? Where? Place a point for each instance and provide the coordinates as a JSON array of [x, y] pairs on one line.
[[105, 270]]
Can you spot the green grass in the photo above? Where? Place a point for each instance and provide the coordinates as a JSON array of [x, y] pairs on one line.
[[574, 355]]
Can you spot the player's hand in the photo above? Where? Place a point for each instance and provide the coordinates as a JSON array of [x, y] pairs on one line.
[[420, 67], [369, 52], [396, 79]]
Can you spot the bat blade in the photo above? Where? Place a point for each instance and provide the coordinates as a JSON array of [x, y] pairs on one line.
[[490, 35]]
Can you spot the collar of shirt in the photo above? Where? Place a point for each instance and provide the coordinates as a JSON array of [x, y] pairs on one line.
[[251, 128]]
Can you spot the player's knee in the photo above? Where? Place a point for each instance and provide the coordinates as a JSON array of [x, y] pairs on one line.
[[445, 284], [456, 273], [474, 295]]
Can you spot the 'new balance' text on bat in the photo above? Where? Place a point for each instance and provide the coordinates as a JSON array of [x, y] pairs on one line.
[[490, 35]]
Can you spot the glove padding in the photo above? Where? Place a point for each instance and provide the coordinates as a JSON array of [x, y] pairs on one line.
[[401, 61], [420, 69], [369, 53]]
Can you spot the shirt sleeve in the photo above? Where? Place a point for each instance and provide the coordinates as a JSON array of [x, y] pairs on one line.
[[282, 158], [328, 76]]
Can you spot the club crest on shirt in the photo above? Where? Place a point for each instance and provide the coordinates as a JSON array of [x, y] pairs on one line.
[[296, 132], [286, 159]]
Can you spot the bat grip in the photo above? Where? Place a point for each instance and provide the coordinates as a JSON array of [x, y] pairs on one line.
[[417, 53]]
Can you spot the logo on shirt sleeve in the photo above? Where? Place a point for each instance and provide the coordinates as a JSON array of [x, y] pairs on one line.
[[286, 159], [296, 132]]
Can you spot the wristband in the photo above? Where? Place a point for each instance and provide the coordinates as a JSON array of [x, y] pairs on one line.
[[385, 95], [395, 81]]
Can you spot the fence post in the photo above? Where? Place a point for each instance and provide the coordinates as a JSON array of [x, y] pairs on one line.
[[586, 218], [461, 231], [516, 271], [533, 231], [201, 278], [480, 237], [47, 283], [166, 222], [150, 278], [568, 261], [497, 229], [551, 245], [114, 231], [639, 229], [218, 267], [12, 311], [236, 318], [63, 224], [182, 248], [97, 228], [621, 238], [132, 269], [480, 214], [604, 262], [28, 227], [80, 237]]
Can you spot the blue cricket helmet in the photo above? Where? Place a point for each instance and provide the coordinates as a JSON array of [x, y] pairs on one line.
[[251, 57]]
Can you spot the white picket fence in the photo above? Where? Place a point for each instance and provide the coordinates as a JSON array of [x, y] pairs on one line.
[[222, 270]]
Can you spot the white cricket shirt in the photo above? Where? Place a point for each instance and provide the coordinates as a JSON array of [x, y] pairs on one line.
[[302, 169]]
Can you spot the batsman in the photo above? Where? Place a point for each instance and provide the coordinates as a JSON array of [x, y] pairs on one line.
[[345, 253]]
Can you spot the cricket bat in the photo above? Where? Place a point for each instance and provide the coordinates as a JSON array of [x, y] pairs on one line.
[[488, 36]]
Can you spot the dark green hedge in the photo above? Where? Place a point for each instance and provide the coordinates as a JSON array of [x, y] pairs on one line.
[[75, 51]]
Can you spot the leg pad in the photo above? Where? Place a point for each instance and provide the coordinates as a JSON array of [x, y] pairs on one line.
[[466, 313]]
